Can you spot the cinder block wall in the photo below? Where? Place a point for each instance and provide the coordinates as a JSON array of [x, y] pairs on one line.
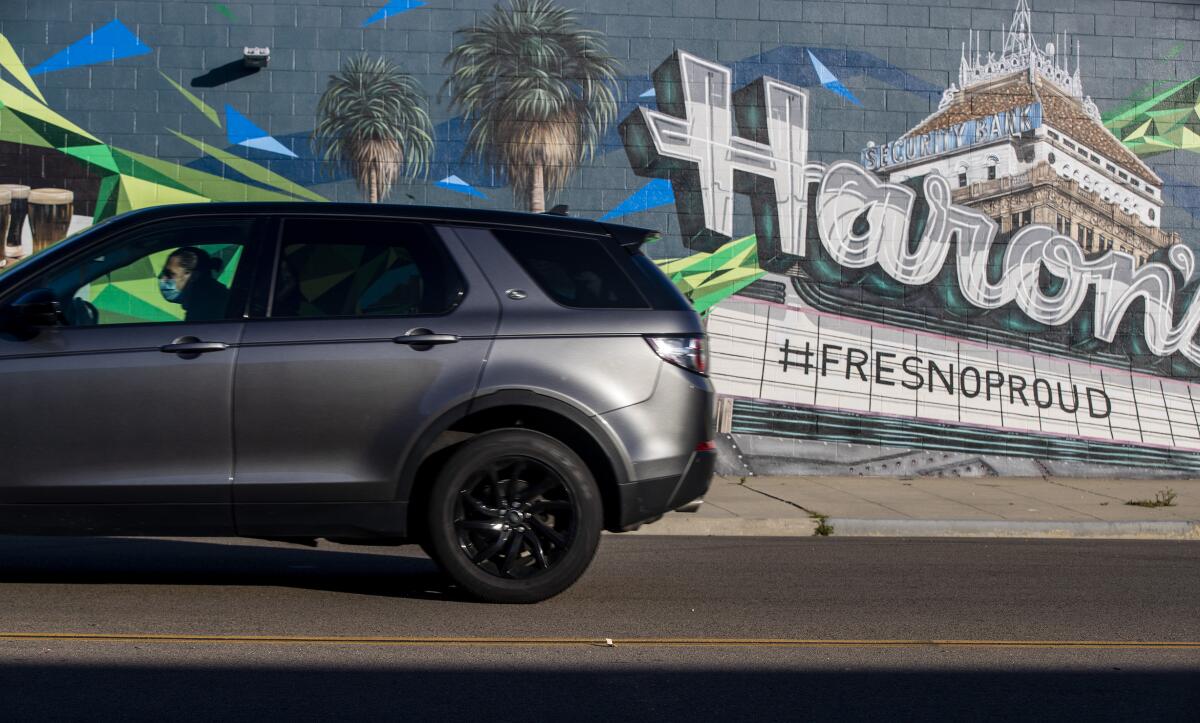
[[165, 81]]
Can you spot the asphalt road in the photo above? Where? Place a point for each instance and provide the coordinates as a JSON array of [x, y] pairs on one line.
[[701, 628]]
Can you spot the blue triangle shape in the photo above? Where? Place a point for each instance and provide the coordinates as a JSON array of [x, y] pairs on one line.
[[267, 143], [395, 7], [655, 193], [111, 42], [837, 87], [823, 74], [830, 81], [454, 183], [239, 128]]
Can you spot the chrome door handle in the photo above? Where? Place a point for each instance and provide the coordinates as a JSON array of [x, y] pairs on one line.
[[422, 339], [426, 339], [195, 346]]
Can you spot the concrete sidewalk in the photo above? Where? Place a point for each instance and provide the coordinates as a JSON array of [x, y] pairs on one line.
[[940, 507]]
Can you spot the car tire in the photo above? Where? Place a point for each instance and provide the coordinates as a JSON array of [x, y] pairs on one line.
[[514, 516]]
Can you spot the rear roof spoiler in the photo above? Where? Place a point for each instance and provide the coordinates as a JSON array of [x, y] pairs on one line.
[[630, 238]]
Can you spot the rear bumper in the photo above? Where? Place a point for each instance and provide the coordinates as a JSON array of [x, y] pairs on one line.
[[647, 500]]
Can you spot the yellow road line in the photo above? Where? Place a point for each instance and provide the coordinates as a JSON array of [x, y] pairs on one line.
[[602, 642]]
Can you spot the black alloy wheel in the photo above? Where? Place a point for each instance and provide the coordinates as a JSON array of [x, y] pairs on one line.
[[514, 516]]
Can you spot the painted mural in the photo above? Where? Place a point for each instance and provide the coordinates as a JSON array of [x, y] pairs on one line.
[[986, 283], [373, 123]]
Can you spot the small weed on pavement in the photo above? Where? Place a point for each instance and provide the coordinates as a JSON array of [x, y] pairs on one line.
[[823, 529], [1162, 498]]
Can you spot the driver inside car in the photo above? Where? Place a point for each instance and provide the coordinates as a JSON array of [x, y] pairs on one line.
[[189, 278]]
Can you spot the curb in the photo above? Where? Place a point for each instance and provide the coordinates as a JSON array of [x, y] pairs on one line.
[[1131, 530], [688, 524]]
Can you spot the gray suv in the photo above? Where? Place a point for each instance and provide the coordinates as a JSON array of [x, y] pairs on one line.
[[497, 387]]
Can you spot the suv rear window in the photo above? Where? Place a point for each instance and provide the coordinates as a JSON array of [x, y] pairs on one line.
[[576, 271]]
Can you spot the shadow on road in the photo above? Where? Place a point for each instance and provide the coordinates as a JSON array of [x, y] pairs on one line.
[[148, 561], [539, 693]]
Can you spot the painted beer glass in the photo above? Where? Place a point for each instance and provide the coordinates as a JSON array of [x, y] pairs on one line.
[[5, 214], [50, 211], [19, 208]]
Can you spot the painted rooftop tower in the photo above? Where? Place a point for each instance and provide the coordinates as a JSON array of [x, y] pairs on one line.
[[1020, 140]]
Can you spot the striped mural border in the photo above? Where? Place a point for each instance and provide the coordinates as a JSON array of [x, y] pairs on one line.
[[782, 420]]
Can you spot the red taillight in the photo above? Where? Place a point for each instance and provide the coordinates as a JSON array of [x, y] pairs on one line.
[[688, 352], [709, 446]]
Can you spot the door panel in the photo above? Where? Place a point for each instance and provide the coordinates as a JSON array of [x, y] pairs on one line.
[[326, 408], [100, 415], [101, 430]]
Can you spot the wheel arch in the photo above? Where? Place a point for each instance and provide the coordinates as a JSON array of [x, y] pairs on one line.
[[521, 409]]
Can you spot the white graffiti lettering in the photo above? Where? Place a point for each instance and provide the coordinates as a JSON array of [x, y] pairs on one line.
[[864, 221], [705, 136]]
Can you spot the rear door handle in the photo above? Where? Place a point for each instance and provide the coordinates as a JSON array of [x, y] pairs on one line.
[[193, 346], [421, 339], [426, 339]]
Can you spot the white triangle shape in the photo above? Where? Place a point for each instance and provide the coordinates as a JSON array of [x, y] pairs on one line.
[[269, 144]]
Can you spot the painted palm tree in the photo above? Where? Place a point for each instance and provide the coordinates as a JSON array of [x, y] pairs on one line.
[[373, 121], [538, 92]]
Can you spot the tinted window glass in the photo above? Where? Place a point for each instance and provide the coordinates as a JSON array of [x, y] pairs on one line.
[[575, 271], [664, 295], [348, 267], [167, 272]]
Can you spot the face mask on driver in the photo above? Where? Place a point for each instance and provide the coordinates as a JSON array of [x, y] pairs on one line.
[[167, 288]]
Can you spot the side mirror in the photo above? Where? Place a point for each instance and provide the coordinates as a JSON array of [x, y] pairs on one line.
[[35, 308]]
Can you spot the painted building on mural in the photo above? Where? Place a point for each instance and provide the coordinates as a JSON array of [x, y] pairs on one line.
[[1041, 153], [921, 247]]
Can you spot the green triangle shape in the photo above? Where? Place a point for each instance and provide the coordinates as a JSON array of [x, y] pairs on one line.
[[10, 61], [213, 187], [1121, 117], [708, 297], [137, 271], [132, 167], [97, 154], [146, 290], [57, 137], [117, 306], [250, 169], [230, 267], [200, 105], [15, 130], [106, 198], [124, 202]]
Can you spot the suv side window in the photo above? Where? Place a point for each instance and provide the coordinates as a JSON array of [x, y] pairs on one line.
[[170, 271], [576, 271], [347, 267]]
